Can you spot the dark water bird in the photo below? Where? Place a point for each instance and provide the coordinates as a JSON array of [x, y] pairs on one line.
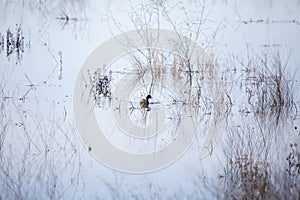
[[145, 102]]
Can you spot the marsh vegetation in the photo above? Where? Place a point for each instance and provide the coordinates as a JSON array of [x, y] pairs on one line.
[[248, 101]]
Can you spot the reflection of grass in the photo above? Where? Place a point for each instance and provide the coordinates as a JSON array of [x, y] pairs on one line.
[[67, 12], [268, 87], [49, 164], [196, 81], [100, 91], [39, 154], [251, 179], [252, 139], [248, 172], [38, 161], [14, 43]]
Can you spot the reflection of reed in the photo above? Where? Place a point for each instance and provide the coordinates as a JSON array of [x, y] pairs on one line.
[[69, 14], [77, 23], [14, 43], [39, 153], [192, 79], [269, 88], [100, 90], [253, 169], [256, 137], [268, 21]]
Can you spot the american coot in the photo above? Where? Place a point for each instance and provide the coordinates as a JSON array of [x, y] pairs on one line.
[[145, 102]]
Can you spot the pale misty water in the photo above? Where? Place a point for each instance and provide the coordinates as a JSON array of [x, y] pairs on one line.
[[43, 47]]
